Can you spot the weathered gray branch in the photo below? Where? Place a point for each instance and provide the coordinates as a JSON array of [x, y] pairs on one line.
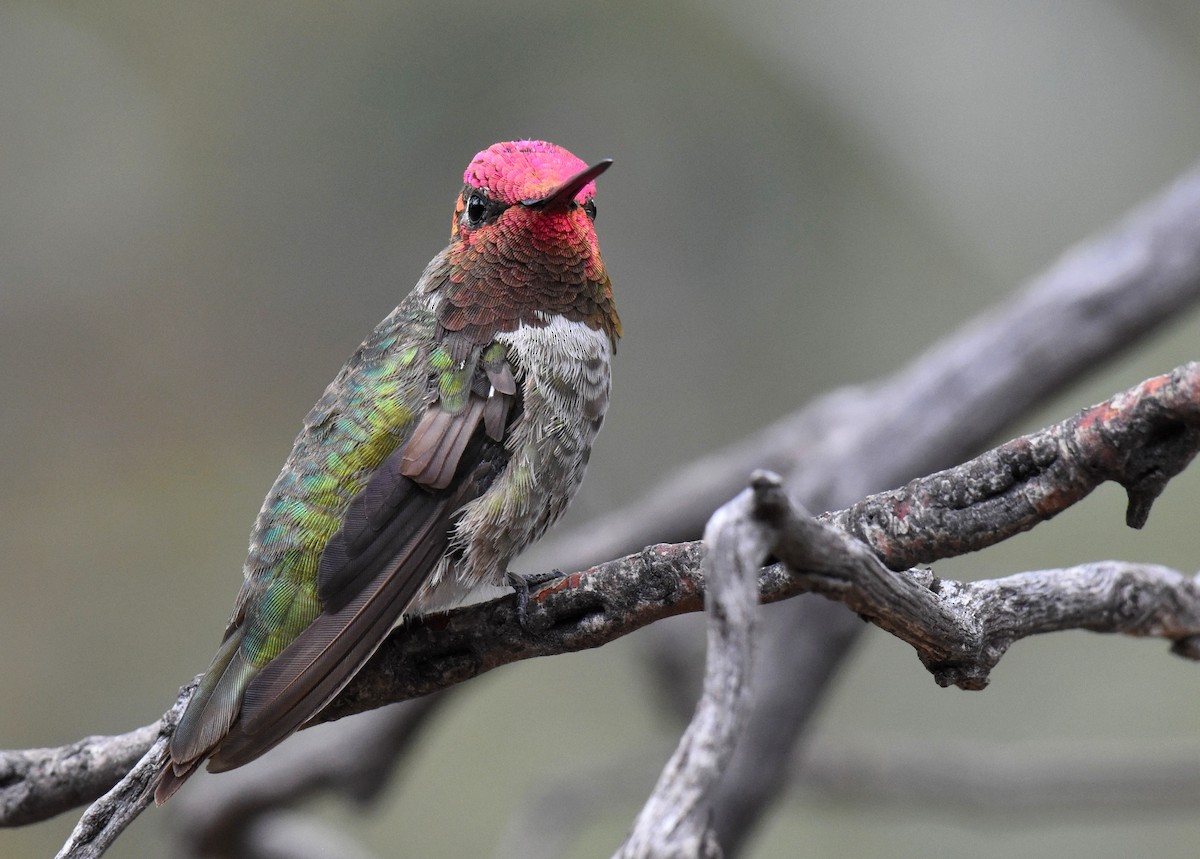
[[107, 817], [675, 821], [39, 783], [1094, 303], [960, 630], [1139, 438]]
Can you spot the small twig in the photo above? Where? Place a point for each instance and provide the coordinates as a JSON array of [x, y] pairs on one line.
[[107, 817], [960, 630]]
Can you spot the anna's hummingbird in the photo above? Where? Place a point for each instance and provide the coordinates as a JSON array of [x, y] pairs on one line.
[[450, 441]]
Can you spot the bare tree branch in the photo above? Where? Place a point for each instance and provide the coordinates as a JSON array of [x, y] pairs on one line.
[[1095, 302], [107, 817], [1138, 438], [960, 630], [39, 783], [675, 821]]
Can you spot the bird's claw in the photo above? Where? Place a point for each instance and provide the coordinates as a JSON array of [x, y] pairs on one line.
[[522, 585]]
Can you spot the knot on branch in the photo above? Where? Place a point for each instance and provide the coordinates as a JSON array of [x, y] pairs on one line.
[[972, 677], [1169, 446], [1187, 647]]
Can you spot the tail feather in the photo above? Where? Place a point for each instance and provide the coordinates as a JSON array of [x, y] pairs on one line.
[[208, 715], [171, 779], [323, 658]]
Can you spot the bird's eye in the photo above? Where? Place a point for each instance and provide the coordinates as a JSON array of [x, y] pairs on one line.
[[590, 208], [476, 210]]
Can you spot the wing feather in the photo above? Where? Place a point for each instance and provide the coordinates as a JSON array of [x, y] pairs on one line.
[[384, 516], [432, 454], [383, 557]]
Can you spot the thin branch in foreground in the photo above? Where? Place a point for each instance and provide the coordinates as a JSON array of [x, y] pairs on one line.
[[960, 630], [675, 821], [107, 817], [1140, 439], [36, 784]]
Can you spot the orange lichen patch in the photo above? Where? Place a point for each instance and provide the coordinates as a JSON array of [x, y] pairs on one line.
[[564, 583], [1151, 387], [1099, 415]]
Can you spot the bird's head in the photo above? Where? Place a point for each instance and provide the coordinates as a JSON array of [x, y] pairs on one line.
[[528, 186], [523, 240]]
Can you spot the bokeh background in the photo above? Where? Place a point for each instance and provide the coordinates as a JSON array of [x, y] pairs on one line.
[[204, 207]]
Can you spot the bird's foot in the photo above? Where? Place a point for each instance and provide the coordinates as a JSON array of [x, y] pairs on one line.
[[522, 585]]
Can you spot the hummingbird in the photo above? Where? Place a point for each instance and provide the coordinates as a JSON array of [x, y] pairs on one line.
[[452, 438]]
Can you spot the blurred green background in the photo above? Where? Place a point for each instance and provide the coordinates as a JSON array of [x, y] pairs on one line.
[[204, 207]]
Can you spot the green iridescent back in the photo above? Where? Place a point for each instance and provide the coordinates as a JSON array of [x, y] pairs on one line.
[[360, 420]]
